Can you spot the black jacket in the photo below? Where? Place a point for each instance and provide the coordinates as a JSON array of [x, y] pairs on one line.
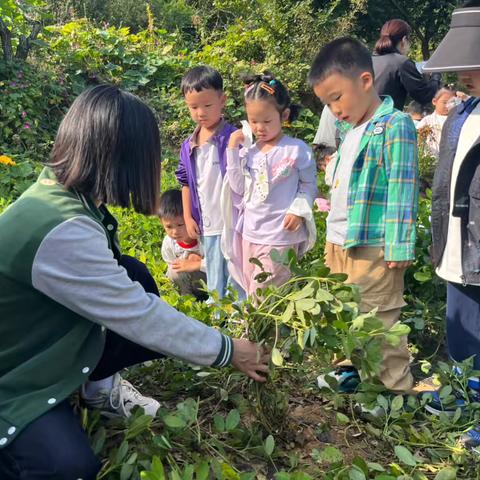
[[466, 199], [397, 76]]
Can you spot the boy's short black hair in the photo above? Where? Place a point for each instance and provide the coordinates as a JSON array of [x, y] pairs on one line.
[[414, 108], [345, 56], [321, 150], [171, 204], [201, 78]]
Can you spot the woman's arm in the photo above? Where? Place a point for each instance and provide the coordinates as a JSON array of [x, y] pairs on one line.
[[416, 85], [74, 267]]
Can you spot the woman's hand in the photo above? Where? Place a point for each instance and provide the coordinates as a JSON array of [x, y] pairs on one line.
[[292, 222], [192, 228], [250, 359], [192, 263], [236, 139]]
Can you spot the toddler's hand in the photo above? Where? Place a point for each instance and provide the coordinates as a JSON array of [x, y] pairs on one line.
[[190, 264], [399, 265], [192, 228], [292, 222], [236, 139]]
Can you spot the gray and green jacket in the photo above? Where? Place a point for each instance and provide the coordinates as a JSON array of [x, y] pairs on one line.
[[60, 288]]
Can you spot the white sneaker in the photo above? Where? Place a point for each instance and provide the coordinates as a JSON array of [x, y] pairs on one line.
[[120, 400]]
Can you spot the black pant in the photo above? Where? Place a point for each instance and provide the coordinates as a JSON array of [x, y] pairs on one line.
[[54, 446]]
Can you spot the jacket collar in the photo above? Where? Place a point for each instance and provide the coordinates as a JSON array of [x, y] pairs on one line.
[[193, 140], [385, 108]]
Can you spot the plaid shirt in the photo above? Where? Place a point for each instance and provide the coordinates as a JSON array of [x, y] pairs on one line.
[[383, 188]]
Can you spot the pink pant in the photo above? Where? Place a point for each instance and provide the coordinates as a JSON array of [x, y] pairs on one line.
[[280, 273]]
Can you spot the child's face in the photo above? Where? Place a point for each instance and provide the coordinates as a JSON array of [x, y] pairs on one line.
[[471, 80], [264, 119], [349, 99], [206, 106], [175, 228], [441, 103]]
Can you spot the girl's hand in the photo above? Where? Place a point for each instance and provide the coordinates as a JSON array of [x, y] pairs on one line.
[[399, 265], [292, 222], [236, 139], [192, 228], [250, 359], [190, 264]]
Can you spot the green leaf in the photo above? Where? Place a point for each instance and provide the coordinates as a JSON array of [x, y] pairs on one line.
[[447, 473], [257, 262], [173, 421], [277, 357], [121, 452], [356, 474], [342, 419], [269, 445], [397, 403], [306, 304], [382, 402], [405, 456], [219, 422], [202, 470], [330, 454], [323, 296], [233, 419], [126, 471], [139, 425]]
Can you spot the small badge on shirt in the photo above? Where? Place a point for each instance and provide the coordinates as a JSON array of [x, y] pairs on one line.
[[378, 130]]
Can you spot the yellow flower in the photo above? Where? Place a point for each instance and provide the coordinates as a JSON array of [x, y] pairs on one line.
[[7, 161]]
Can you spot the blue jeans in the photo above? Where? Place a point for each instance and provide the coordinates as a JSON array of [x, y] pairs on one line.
[[216, 266], [218, 277], [463, 322]]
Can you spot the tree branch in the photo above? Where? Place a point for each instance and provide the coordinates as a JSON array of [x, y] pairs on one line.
[[25, 43], [6, 37]]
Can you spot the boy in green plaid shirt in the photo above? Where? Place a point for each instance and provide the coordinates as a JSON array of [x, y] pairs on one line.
[[374, 196]]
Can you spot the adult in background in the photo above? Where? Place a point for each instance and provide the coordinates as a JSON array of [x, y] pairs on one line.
[[73, 310], [395, 74]]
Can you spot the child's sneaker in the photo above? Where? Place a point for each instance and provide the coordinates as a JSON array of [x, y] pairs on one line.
[[435, 406], [120, 400], [347, 379], [471, 439]]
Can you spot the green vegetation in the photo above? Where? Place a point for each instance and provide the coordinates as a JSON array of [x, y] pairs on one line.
[[216, 423]]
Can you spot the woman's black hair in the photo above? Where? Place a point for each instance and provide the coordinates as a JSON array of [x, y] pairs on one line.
[[391, 34], [267, 87], [108, 148]]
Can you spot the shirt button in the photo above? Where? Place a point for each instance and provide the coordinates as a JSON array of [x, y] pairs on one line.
[[51, 401], [11, 430], [85, 370], [3, 441], [110, 227]]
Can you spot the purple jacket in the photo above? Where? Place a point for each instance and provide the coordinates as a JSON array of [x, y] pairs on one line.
[[185, 172]]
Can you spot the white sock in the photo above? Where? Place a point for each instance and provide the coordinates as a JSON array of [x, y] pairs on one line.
[[92, 388]]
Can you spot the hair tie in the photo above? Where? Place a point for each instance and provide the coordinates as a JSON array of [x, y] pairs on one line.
[[272, 82], [249, 87], [267, 88]]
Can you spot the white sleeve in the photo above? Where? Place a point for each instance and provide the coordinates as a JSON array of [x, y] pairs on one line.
[[168, 253], [235, 175], [326, 129], [74, 266]]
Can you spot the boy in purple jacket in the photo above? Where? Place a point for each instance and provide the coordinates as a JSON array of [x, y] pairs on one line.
[[202, 168]]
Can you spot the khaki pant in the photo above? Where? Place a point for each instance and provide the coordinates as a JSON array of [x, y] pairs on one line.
[[381, 288]]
